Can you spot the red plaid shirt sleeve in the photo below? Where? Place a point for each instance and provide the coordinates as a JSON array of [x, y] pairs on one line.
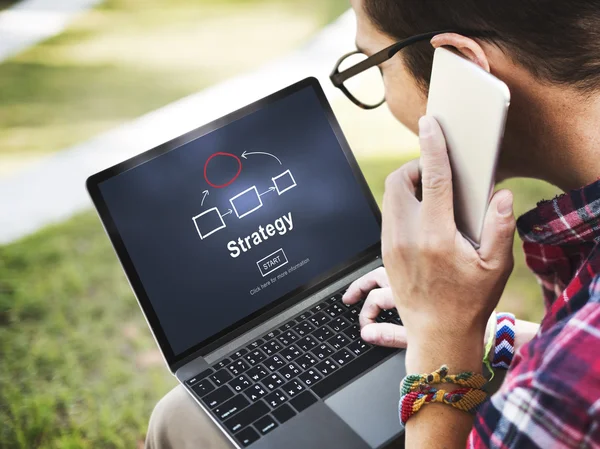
[[550, 397]]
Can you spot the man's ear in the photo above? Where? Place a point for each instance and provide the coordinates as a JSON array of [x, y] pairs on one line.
[[465, 45]]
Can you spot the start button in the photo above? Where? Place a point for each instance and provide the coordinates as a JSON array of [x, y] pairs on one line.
[[272, 262]]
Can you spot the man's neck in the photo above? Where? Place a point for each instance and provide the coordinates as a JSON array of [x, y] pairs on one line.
[[556, 134]]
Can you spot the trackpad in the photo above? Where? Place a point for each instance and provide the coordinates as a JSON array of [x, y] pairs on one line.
[[370, 404]]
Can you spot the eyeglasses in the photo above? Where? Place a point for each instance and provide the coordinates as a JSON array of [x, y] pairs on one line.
[[369, 85]]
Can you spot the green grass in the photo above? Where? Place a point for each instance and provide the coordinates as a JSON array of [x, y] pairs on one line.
[[79, 366], [127, 57]]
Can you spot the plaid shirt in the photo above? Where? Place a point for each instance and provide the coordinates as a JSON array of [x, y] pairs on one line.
[[550, 397]]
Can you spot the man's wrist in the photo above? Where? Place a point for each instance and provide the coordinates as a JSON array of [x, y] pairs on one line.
[[459, 353]]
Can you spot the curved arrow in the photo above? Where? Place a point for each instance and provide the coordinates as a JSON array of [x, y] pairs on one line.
[[205, 192], [245, 154]]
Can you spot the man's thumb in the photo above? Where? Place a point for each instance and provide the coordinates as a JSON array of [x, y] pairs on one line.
[[498, 229]]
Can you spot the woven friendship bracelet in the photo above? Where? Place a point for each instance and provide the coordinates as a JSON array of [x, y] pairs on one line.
[[414, 382], [465, 399], [504, 349]]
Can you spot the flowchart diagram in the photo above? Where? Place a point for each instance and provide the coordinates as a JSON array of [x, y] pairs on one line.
[[243, 203]]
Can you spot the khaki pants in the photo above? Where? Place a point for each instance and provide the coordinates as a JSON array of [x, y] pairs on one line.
[[177, 422]]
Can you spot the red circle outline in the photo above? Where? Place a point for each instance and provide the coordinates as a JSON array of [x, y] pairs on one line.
[[220, 153]]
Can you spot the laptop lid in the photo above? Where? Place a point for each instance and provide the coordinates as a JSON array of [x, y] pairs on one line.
[[226, 226]]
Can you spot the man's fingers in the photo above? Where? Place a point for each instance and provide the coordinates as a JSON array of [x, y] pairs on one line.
[[498, 229], [377, 300], [363, 285], [436, 176], [384, 334]]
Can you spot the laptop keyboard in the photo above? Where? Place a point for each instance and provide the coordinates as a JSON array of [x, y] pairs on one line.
[[256, 389]]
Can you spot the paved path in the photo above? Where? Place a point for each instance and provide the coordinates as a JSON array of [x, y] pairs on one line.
[[53, 189], [31, 21]]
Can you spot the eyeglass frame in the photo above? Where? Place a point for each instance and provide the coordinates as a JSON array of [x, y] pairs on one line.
[[339, 78]]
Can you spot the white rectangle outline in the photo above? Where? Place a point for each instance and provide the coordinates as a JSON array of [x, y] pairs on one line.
[[240, 194], [214, 230], [277, 268], [279, 192]]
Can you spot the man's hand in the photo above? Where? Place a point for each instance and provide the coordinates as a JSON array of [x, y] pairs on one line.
[[375, 287], [443, 288]]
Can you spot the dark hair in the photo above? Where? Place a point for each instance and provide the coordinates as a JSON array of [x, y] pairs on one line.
[[556, 40]]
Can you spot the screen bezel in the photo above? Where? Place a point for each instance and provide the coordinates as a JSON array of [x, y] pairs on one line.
[[236, 329]]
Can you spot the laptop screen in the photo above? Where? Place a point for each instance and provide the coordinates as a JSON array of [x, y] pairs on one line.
[[225, 225]]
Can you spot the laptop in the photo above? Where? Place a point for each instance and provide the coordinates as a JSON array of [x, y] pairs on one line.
[[239, 239]]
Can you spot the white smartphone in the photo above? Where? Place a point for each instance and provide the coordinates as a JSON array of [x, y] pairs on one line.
[[471, 106]]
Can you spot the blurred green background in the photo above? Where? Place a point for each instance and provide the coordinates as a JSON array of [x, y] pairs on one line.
[[78, 366]]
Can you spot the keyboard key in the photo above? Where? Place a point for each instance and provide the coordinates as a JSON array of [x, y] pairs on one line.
[[287, 338], [339, 324], [352, 315], [352, 369], [271, 335], [271, 347], [276, 398], [231, 407], [353, 332], [304, 316], [290, 371], [246, 416], [323, 333], [265, 425], [290, 353], [218, 396], [222, 364], [255, 392], [240, 383], [257, 373], [304, 328], [239, 353], [273, 381], [238, 367], [293, 388], [326, 367], [322, 351], [200, 376], [255, 357], [303, 401], [334, 310], [319, 319], [359, 347], [331, 300], [283, 413], [307, 343], [247, 436], [287, 326], [275, 362], [318, 307], [310, 377], [221, 377], [256, 344], [306, 361], [342, 357], [203, 387], [338, 342]]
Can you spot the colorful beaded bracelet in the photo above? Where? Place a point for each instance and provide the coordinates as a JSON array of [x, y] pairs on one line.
[[465, 399], [414, 382], [504, 349]]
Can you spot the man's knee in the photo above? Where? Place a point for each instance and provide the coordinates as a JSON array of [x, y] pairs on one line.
[[177, 422]]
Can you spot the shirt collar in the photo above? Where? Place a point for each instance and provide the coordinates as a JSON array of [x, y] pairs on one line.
[[571, 218]]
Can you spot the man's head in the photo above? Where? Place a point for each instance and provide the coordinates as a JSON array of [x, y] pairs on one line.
[[543, 48]]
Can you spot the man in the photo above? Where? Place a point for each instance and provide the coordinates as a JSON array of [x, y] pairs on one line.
[[548, 53]]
